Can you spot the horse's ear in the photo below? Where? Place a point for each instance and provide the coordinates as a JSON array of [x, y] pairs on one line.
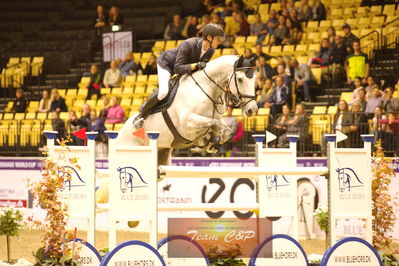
[[252, 60], [239, 62]]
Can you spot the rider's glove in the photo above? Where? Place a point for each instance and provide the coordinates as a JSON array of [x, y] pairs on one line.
[[200, 66]]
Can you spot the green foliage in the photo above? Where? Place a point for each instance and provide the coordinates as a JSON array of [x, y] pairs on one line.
[[226, 257], [103, 251], [10, 221], [388, 259], [42, 259], [321, 214]]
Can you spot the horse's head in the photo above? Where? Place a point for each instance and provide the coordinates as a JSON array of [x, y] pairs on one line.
[[122, 179], [242, 85]]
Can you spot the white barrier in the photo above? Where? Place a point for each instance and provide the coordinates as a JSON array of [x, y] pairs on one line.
[[133, 184], [79, 187], [350, 189]]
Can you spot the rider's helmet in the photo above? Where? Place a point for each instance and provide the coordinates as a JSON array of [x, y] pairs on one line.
[[213, 30]]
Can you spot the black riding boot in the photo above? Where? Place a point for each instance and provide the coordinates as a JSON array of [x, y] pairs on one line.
[[145, 111]]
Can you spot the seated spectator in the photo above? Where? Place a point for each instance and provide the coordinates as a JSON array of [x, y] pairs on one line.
[[205, 8], [104, 111], [257, 27], [359, 126], [281, 123], [84, 120], [294, 34], [319, 11], [113, 76], [304, 11], [115, 18], [20, 103], [283, 8], [234, 51], [190, 29], [217, 19], [99, 23], [390, 133], [280, 32], [73, 126], [371, 85], [206, 19], [349, 38], [291, 6], [295, 22], [373, 102], [377, 126], [245, 29], [281, 73], [362, 99], [336, 62], [174, 30], [96, 124], [296, 125], [151, 67], [259, 83], [323, 56], [331, 35], [263, 68], [303, 79], [57, 102], [264, 96], [115, 114], [248, 53], [357, 63], [95, 82], [342, 122], [259, 52], [358, 86], [281, 95], [268, 27], [58, 125], [128, 66], [390, 103], [45, 102]]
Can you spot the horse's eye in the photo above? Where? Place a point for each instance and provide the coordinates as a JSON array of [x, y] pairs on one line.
[[239, 79]]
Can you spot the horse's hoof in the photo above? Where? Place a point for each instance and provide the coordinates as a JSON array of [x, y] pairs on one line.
[[133, 224]]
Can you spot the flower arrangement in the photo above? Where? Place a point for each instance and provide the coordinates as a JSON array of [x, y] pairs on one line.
[[10, 223], [225, 256], [322, 219], [57, 246]]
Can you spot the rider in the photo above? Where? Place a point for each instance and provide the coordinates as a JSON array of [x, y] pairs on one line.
[[190, 56]]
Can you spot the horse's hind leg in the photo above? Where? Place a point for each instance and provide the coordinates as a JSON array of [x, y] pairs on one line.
[[164, 156]]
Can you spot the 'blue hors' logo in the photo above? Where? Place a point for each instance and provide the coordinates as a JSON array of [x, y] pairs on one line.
[[71, 178], [126, 177], [275, 181], [348, 179]]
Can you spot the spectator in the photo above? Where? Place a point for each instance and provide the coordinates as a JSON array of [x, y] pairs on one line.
[[245, 29], [234, 51], [349, 38], [96, 124], [231, 121], [281, 73], [318, 11], [303, 79], [295, 21], [358, 85], [263, 68], [104, 110], [281, 95], [357, 63], [217, 19], [257, 27], [377, 126], [291, 6], [271, 23], [390, 103], [259, 52], [391, 131], [45, 102], [57, 102], [174, 30], [20, 103], [283, 8], [297, 125], [323, 56], [113, 76], [362, 100], [248, 53], [360, 124], [373, 102], [205, 8], [304, 11], [95, 82], [342, 122], [128, 66], [294, 34], [84, 120], [115, 18], [115, 114], [264, 96], [206, 19], [58, 125], [99, 23], [371, 85], [190, 29], [336, 61], [281, 124], [331, 35], [151, 67], [280, 32], [74, 126]]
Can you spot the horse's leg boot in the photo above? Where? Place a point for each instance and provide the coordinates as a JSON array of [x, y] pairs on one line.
[[145, 111]]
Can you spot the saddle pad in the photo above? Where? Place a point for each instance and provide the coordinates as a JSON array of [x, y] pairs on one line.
[[167, 102]]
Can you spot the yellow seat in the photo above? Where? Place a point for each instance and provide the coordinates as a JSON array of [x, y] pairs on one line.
[[332, 110], [251, 41], [347, 96], [289, 49], [8, 116], [376, 10], [128, 91], [337, 23], [302, 59], [301, 49], [152, 80], [109, 126], [33, 106], [13, 60], [377, 21], [83, 92], [37, 66], [389, 10], [318, 128], [126, 102], [64, 116], [141, 80], [71, 92], [275, 50], [317, 74], [364, 21], [137, 101], [237, 112], [139, 90], [19, 116], [251, 19], [262, 121], [137, 56], [105, 91], [324, 24], [78, 103], [9, 106], [263, 111], [313, 37], [158, 46], [312, 25], [349, 12], [118, 126], [314, 47], [129, 80], [227, 51], [336, 13], [116, 91], [92, 103], [61, 92], [170, 45], [275, 6], [149, 89], [30, 115], [263, 9], [146, 55], [319, 110], [41, 116], [239, 42], [179, 42]]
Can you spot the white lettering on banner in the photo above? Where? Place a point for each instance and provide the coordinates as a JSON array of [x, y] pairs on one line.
[[135, 263], [240, 235], [7, 165], [352, 259], [203, 237], [285, 255]]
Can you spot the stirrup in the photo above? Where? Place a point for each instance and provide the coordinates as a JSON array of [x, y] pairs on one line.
[[138, 123]]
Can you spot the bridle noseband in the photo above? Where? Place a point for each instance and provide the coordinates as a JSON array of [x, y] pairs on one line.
[[232, 97]]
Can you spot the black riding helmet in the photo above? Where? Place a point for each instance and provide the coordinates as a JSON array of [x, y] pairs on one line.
[[213, 30]]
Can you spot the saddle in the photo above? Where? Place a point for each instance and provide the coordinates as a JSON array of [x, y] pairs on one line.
[[167, 102]]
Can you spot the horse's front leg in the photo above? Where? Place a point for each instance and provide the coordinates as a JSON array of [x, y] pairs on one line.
[[197, 123], [225, 132]]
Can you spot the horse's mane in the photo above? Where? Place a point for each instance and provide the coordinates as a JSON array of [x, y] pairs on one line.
[[223, 58]]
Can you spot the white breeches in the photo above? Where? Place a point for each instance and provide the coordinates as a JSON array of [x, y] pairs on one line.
[[163, 81]]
